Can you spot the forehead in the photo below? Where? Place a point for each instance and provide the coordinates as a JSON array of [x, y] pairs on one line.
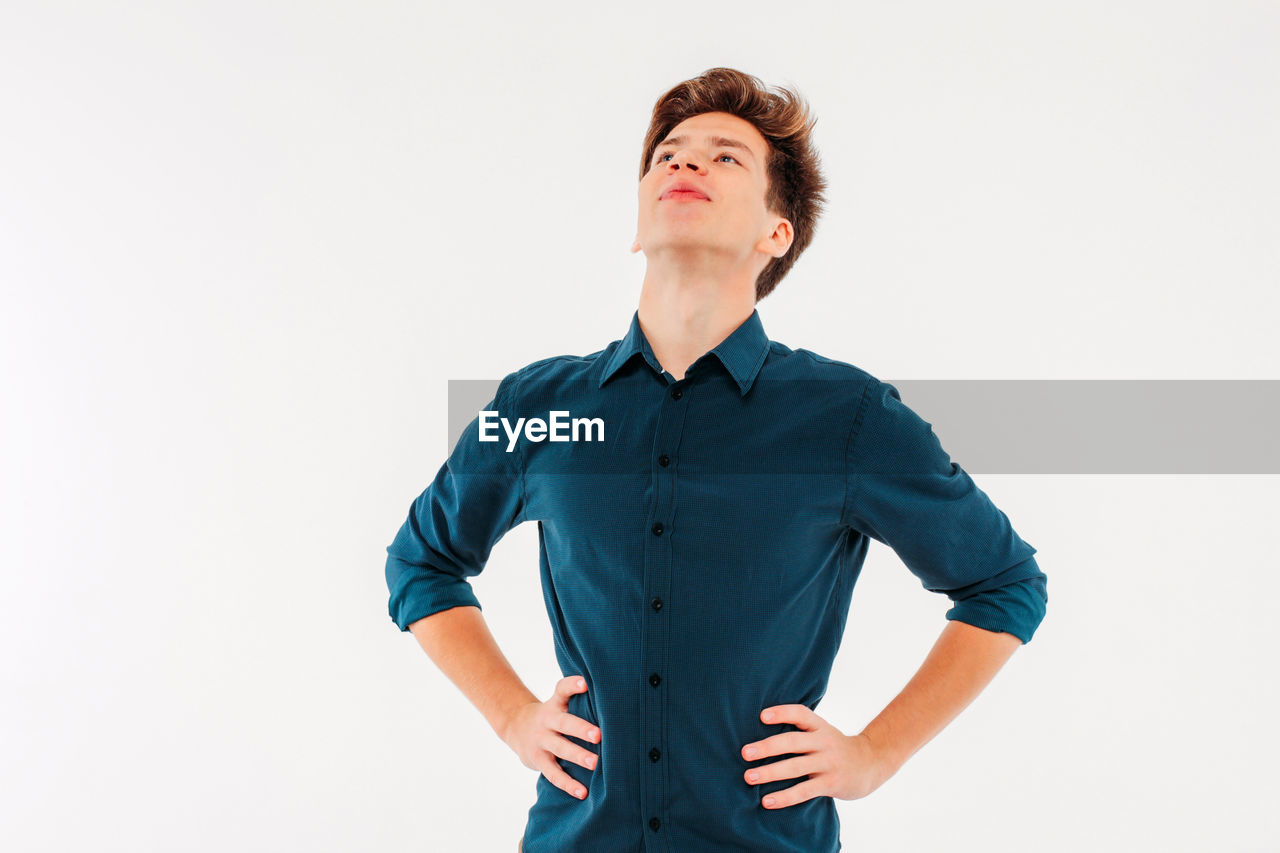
[[721, 124]]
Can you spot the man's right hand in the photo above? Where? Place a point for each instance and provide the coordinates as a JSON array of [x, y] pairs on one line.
[[536, 734]]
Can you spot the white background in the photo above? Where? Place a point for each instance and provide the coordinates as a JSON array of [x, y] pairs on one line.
[[243, 247]]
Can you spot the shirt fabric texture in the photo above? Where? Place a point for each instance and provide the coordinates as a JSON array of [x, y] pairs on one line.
[[697, 566]]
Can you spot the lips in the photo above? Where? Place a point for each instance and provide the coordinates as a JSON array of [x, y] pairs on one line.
[[683, 191]]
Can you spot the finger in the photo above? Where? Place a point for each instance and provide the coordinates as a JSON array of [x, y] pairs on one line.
[[562, 780], [572, 724], [569, 751], [792, 768], [806, 790], [781, 745], [797, 715], [570, 685]]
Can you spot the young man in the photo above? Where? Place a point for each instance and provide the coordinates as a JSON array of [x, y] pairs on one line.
[[699, 552]]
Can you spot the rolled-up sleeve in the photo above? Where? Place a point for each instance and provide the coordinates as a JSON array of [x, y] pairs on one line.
[[904, 491], [475, 498]]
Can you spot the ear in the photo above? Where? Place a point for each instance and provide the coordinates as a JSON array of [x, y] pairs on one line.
[[779, 241]]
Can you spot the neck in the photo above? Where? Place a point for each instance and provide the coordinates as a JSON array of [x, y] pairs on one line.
[[686, 313]]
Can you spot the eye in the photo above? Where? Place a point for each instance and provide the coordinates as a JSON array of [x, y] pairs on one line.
[[664, 155]]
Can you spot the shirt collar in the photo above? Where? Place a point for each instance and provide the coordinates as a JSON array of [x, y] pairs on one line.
[[742, 353]]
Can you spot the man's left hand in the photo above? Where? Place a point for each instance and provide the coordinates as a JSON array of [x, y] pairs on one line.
[[847, 767]]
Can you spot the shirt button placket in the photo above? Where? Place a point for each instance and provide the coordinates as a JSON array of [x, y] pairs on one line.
[[658, 572]]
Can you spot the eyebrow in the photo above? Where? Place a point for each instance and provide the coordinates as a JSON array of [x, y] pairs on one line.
[[716, 142]]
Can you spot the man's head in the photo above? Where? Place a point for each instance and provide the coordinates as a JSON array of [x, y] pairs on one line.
[[765, 198]]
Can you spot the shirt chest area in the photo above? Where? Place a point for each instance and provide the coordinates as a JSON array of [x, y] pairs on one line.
[[629, 453]]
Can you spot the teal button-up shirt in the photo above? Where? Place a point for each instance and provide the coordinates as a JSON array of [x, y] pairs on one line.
[[699, 544]]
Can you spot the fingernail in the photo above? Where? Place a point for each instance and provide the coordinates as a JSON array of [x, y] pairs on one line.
[[768, 801], [581, 793], [768, 715], [581, 684]]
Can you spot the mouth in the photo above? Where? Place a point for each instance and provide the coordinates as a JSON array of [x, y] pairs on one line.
[[683, 195]]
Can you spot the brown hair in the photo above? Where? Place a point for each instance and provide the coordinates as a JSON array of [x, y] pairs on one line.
[[793, 171]]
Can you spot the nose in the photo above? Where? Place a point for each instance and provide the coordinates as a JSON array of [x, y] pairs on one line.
[[684, 157]]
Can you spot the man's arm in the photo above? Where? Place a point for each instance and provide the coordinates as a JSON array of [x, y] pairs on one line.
[[959, 666], [460, 643], [905, 491], [446, 538]]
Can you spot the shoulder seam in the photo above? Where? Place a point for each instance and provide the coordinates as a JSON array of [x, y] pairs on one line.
[[822, 359], [548, 360], [569, 357], [854, 431], [515, 393]]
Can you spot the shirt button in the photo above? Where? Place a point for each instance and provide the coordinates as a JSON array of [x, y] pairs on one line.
[[676, 393], [654, 823], [657, 529], [656, 604], [654, 754], [664, 460], [655, 679]]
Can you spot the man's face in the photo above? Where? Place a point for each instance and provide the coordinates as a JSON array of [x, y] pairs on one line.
[[722, 157]]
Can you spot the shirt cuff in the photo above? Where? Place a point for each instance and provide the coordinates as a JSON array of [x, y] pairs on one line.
[[1016, 608], [423, 595]]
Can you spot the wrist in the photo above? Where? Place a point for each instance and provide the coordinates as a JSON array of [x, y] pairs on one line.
[[507, 715], [884, 754]]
